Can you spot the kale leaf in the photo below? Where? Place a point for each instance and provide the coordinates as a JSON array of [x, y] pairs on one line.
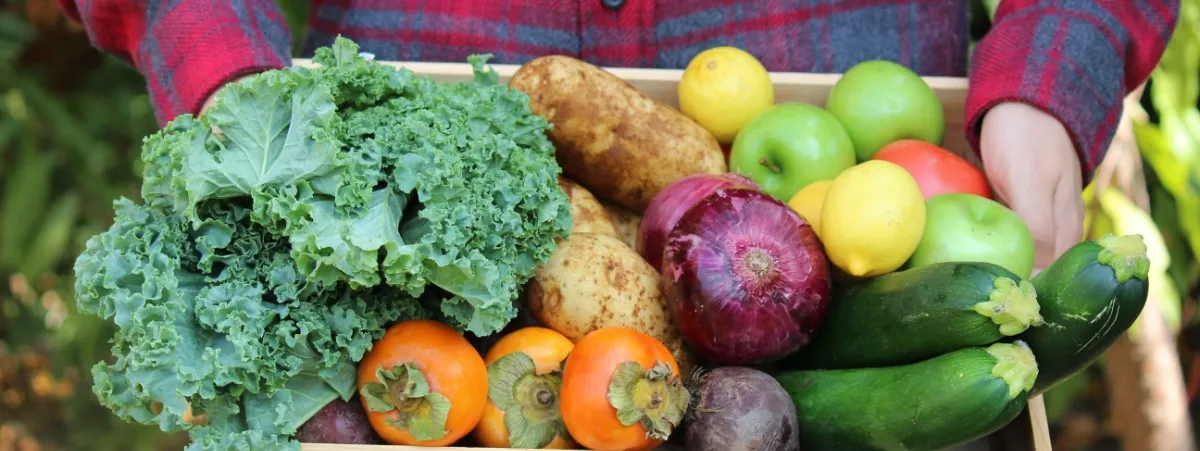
[[281, 232]]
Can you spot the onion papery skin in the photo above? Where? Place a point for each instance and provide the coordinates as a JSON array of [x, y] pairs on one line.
[[746, 278], [668, 206]]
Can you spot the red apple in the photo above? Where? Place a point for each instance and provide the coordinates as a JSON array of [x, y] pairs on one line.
[[936, 170]]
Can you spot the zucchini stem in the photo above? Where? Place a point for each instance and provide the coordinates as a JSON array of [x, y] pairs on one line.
[[1016, 365], [1125, 254], [1013, 306]]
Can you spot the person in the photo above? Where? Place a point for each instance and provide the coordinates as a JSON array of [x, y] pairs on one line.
[[1046, 82]]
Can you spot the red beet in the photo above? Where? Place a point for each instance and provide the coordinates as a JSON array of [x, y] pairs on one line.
[[669, 204], [740, 409], [339, 422], [745, 278]]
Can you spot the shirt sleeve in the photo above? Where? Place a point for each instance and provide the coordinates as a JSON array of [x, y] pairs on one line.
[[1074, 59], [186, 49]]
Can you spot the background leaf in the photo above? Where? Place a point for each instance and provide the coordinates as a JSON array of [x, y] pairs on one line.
[[25, 196]]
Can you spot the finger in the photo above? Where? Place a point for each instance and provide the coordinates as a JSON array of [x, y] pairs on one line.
[[1068, 216], [1044, 242], [1035, 206], [1000, 190]]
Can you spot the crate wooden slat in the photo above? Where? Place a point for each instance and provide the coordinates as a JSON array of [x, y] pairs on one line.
[[1029, 432], [660, 84], [331, 447]]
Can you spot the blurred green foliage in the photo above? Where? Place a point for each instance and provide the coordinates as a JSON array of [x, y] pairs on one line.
[[71, 126], [1171, 149], [71, 123]]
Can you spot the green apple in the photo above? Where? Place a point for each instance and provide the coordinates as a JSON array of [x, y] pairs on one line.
[[961, 227], [880, 101], [789, 146]]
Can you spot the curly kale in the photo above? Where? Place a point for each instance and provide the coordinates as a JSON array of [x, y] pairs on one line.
[[306, 211]]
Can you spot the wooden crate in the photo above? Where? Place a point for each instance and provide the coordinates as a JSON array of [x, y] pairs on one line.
[[1028, 432]]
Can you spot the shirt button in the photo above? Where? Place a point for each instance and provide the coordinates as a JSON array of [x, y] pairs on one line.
[[613, 4]]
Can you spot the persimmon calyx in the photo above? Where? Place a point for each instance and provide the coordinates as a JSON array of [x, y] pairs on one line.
[[656, 398], [403, 389], [529, 400]]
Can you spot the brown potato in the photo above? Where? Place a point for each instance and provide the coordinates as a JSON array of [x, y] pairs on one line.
[[612, 138], [624, 221], [587, 215], [595, 281]]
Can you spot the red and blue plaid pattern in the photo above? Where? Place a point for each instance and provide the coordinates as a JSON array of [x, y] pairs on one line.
[[1073, 58]]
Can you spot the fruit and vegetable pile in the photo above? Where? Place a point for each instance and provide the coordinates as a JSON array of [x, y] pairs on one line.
[[352, 253]]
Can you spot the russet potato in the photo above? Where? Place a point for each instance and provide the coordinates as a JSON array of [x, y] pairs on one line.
[[624, 221], [612, 138], [587, 214], [594, 281]]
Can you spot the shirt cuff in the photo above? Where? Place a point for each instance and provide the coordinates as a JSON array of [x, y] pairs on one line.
[[188, 55], [1078, 81]]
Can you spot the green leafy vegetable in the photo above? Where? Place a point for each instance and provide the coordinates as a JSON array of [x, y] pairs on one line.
[[307, 210]]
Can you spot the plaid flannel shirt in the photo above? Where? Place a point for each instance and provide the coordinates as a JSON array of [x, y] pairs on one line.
[[1075, 59]]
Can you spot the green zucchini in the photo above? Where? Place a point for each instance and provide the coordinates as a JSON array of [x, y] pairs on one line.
[[1090, 295], [937, 403], [912, 315]]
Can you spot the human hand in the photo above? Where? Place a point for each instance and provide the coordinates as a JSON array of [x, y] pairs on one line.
[[1032, 165]]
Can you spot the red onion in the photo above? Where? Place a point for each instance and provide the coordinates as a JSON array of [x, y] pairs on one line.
[[669, 204], [745, 277]]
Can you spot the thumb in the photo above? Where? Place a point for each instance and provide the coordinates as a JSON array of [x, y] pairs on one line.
[[1038, 214], [1068, 215]]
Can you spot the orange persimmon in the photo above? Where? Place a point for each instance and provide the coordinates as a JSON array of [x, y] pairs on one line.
[[621, 390], [524, 376], [422, 384]]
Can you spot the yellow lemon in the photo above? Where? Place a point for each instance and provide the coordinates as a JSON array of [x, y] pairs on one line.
[[872, 218], [807, 202], [724, 87]]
